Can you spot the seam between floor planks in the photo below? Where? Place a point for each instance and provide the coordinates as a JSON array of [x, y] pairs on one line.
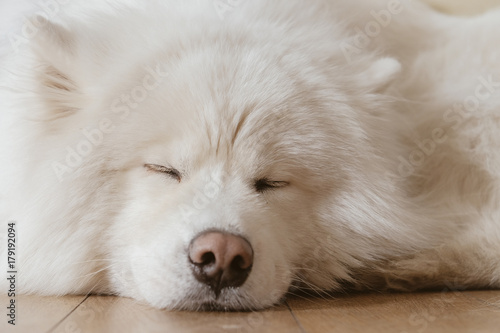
[[67, 315], [299, 324]]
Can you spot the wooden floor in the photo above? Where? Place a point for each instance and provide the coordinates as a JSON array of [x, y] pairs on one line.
[[454, 312]]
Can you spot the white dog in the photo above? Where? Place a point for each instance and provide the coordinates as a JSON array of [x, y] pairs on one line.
[[214, 154]]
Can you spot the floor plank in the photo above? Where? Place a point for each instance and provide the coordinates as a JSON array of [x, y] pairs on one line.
[[114, 314], [455, 312], [490, 298], [37, 313]]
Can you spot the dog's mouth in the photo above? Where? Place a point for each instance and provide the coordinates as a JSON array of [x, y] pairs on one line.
[[217, 307], [227, 301], [230, 300]]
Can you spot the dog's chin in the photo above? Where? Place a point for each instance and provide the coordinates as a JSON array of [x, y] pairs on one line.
[[229, 300], [232, 303], [216, 306]]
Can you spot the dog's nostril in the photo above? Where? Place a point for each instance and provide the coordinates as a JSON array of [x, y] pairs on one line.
[[239, 263], [207, 258], [221, 260]]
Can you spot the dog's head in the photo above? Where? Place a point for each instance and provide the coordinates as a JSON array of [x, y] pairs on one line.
[[233, 166]]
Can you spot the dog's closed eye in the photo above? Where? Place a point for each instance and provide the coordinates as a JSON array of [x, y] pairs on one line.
[[264, 184], [171, 172]]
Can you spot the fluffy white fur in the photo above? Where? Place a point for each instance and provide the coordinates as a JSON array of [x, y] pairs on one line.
[[393, 171]]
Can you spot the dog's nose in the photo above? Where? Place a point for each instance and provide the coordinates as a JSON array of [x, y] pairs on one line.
[[220, 260]]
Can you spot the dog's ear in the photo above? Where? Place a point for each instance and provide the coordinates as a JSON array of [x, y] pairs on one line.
[[55, 50], [380, 74]]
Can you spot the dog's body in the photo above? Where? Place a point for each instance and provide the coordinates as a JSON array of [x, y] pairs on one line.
[[349, 142]]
